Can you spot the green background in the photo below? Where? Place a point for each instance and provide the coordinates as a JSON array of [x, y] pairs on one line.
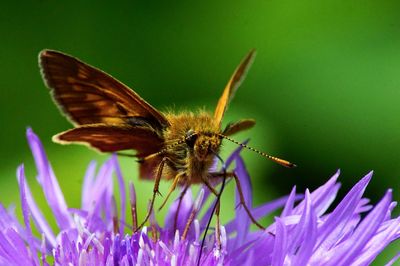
[[324, 88]]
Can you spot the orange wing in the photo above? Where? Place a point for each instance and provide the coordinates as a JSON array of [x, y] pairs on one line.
[[233, 84], [87, 95], [111, 138]]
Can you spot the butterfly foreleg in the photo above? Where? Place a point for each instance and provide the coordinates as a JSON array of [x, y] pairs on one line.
[[171, 188], [209, 186], [218, 226], [155, 191]]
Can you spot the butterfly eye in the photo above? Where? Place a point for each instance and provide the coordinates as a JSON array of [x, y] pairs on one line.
[[190, 138]]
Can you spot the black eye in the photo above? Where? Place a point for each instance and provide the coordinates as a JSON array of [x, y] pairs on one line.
[[190, 138]]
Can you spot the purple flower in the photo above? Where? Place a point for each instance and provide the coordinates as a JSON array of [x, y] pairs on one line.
[[353, 233]]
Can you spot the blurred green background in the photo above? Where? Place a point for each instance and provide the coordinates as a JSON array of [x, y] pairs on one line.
[[324, 88]]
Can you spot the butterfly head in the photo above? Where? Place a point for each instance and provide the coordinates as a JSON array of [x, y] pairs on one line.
[[203, 145]]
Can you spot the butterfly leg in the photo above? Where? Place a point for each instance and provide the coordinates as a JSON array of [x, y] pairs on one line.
[[218, 226], [210, 186], [189, 222], [150, 156], [179, 206], [171, 189], [155, 191], [241, 197]]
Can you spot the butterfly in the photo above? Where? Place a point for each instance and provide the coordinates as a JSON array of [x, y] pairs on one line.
[[110, 117]]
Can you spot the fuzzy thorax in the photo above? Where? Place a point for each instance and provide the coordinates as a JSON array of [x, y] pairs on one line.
[[194, 157]]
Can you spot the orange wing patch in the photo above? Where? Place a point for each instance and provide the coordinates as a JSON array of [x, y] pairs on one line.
[[233, 84]]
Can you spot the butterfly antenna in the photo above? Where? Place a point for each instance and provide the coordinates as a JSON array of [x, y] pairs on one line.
[[126, 154], [272, 158], [153, 155]]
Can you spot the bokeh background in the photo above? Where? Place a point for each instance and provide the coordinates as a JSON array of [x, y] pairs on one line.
[[324, 88]]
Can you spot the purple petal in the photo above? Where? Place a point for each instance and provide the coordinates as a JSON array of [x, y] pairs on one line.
[[297, 234], [302, 235], [346, 252], [8, 219], [38, 218], [43, 250], [121, 191], [235, 154], [207, 215], [280, 243], [322, 197], [287, 210], [242, 220], [20, 245], [184, 212], [263, 210], [332, 228], [106, 201], [26, 214], [100, 195], [49, 183], [271, 206], [386, 234], [263, 247], [11, 249], [88, 185], [308, 230], [363, 206], [132, 194]]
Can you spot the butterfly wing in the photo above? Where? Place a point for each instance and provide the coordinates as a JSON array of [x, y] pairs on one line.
[[87, 95], [235, 127], [232, 86], [112, 138]]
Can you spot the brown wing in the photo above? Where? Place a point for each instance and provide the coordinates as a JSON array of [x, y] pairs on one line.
[[111, 138], [87, 95], [233, 84], [148, 168], [233, 128]]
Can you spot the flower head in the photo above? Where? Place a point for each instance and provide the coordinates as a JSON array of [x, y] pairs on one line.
[[94, 234]]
